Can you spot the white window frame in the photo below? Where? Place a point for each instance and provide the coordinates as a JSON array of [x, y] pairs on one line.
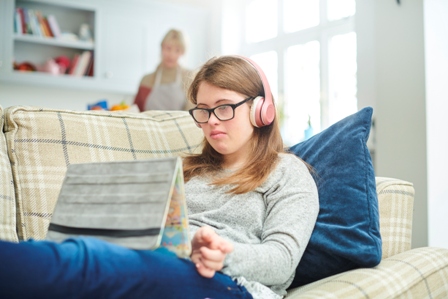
[[322, 33]]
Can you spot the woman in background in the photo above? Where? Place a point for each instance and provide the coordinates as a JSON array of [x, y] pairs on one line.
[[165, 88]]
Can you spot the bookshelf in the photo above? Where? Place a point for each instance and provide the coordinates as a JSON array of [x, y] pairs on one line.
[[42, 39]]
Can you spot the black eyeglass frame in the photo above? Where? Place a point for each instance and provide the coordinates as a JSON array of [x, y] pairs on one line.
[[233, 106]]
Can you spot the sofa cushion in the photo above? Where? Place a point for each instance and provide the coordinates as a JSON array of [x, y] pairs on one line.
[[7, 198], [346, 235], [43, 142], [396, 206], [417, 273]]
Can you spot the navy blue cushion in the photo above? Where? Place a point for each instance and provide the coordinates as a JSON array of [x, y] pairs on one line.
[[347, 234]]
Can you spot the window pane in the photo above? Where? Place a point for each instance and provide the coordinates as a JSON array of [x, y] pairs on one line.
[[338, 9], [261, 20], [302, 92], [342, 76], [268, 62], [300, 14]]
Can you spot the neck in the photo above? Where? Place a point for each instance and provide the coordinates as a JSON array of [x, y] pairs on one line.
[[233, 163], [168, 68]]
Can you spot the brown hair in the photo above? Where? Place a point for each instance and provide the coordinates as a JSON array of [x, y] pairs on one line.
[[236, 74]]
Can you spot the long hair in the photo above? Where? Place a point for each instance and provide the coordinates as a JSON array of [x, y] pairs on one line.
[[236, 74]]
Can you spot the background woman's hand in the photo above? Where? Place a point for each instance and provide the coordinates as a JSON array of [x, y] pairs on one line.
[[209, 251]]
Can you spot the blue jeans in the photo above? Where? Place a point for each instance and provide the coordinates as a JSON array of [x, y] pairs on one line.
[[91, 268]]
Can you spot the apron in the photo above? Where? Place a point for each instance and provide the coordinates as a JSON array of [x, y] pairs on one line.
[[170, 96]]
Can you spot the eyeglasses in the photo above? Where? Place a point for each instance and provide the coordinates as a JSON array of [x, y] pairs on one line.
[[222, 112]]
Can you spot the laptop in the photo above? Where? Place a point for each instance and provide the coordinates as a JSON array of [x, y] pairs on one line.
[[138, 204]]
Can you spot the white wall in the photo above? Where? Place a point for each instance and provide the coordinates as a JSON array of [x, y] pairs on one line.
[[391, 78], [436, 59]]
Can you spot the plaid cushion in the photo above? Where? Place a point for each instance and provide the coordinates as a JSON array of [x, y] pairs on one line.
[[7, 204], [396, 203], [418, 273], [43, 142]]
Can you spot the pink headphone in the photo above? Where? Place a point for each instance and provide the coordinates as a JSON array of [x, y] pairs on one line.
[[262, 112]]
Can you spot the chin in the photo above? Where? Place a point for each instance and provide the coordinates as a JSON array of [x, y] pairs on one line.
[[219, 149]]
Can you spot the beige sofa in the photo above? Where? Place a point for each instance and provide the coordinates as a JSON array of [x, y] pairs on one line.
[[36, 145]]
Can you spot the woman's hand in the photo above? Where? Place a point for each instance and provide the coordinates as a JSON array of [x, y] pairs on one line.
[[209, 251]]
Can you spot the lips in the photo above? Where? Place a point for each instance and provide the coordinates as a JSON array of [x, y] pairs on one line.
[[217, 134]]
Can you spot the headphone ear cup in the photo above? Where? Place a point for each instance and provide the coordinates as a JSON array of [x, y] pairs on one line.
[[267, 113], [255, 112]]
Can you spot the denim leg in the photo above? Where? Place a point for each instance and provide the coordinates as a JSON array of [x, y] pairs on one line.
[[91, 268]]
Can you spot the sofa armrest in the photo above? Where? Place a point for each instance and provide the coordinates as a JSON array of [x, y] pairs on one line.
[[395, 204], [417, 273]]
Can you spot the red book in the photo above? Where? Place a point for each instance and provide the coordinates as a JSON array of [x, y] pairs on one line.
[[89, 70], [22, 18]]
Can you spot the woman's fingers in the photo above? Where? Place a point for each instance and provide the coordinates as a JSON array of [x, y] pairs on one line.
[[213, 259], [204, 271], [209, 251]]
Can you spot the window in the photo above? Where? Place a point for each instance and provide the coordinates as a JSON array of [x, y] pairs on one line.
[[261, 20], [308, 50]]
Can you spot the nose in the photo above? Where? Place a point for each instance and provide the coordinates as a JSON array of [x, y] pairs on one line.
[[213, 119]]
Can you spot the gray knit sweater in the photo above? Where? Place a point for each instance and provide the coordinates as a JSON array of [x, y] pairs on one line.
[[269, 227]]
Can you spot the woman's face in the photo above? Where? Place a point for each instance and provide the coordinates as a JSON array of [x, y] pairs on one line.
[[231, 138], [171, 52]]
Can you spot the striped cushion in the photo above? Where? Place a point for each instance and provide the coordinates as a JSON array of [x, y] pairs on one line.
[[418, 273], [44, 142], [7, 203], [396, 203]]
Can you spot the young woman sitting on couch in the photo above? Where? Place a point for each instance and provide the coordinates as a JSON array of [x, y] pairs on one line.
[[252, 208]]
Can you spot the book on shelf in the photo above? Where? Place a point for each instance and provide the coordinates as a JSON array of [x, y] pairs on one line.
[[43, 25], [34, 24], [73, 64], [18, 22], [92, 67], [26, 28], [54, 26], [47, 26], [89, 70]]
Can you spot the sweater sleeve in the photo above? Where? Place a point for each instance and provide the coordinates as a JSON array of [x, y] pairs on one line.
[[142, 95], [291, 199]]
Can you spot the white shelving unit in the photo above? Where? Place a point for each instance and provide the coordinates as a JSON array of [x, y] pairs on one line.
[[37, 50]]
